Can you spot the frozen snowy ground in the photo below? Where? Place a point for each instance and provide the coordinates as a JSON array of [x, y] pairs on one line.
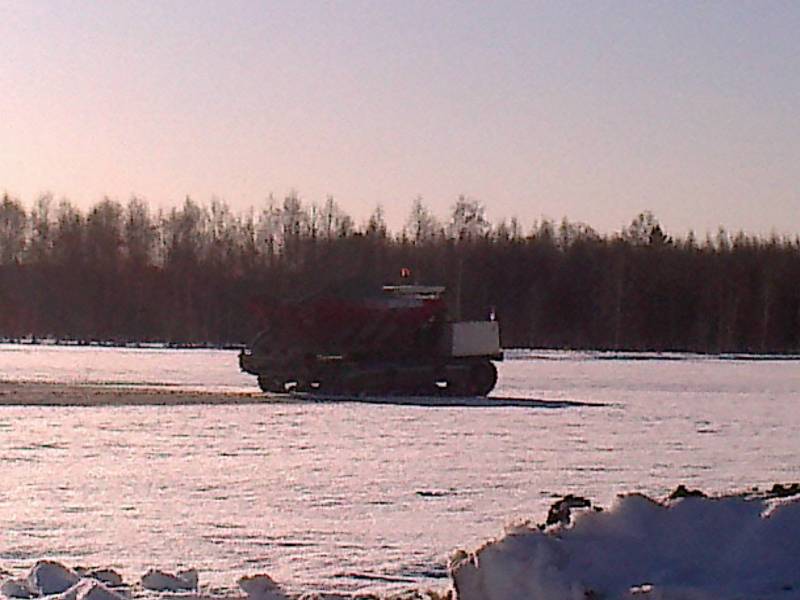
[[690, 547], [356, 497], [51, 580], [192, 370]]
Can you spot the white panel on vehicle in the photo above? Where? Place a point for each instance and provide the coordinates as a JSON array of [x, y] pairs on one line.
[[475, 338]]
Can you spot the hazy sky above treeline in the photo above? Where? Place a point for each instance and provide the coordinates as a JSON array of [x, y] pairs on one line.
[[591, 110]]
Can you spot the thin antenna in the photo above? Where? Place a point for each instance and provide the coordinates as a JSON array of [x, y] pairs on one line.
[[459, 274]]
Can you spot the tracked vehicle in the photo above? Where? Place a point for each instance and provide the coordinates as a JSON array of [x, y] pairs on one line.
[[399, 342]]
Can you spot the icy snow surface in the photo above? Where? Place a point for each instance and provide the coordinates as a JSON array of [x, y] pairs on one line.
[[348, 496], [186, 369]]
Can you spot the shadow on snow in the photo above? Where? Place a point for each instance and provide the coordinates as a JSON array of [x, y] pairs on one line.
[[434, 401]]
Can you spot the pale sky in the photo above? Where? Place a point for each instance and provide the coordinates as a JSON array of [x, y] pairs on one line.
[[590, 110]]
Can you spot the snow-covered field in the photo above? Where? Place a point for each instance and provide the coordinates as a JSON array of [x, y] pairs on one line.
[[195, 369], [347, 496]]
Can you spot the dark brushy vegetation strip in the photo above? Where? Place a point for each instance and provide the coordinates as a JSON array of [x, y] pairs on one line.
[[124, 273]]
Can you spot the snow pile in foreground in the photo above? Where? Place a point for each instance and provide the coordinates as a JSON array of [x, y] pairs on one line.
[[50, 580], [689, 547], [55, 581]]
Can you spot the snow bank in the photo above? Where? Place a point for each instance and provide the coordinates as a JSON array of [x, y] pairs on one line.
[[688, 547], [261, 587], [88, 589], [53, 580], [49, 577], [15, 588], [107, 576], [160, 581], [107, 584]]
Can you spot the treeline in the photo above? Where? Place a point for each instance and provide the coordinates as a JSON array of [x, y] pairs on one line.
[[123, 273]]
